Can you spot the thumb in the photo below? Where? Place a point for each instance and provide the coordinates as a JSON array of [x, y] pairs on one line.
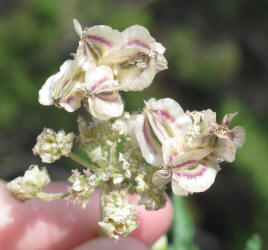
[[103, 243]]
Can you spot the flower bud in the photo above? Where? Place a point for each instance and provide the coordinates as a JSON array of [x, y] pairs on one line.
[[26, 187], [51, 146]]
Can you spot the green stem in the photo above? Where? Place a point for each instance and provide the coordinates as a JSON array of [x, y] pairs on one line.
[[103, 191], [83, 162], [51, 196]]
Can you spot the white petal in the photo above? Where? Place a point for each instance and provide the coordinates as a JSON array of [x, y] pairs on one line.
[[160, 126], [238, 136], [83, 57], [77, 27], [189, 158], [120, 56], [72, 102], [149, 144], [137, 36], [135, 78], [100, 80], [161, 62], [159, 48], [171, 112], [173, 148], [101, 40], [106, 105], [176, 188], [208, 119], [225, 149], [197, 179], [48, 92]]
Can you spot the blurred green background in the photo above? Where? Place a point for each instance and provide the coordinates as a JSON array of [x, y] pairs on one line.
[[218, 58]]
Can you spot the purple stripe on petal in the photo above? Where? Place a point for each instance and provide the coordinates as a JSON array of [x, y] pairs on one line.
[[159, 129], [231, 135], [99, 83], [192, 175], [67, 100], [147, 138], [145, 68], [107, 98], [204, 138], [85, 50], [65, 83], [100, 39], [137, 43], [168, 117], [185, 163], [165, 114]]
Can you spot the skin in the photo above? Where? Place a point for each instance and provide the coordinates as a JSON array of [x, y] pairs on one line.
[[36, 224]]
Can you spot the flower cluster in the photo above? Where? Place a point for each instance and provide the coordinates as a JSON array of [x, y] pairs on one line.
[[28, 186], [50, 146], [124, 153], [190, 144], [118, 215], [107, 61]]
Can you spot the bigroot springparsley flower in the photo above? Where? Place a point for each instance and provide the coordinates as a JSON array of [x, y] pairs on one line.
[[191, 144], [106, 61], [133, 54]]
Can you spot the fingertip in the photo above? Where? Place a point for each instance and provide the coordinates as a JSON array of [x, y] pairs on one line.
[[153, 224], [103, 243], [52, 225]]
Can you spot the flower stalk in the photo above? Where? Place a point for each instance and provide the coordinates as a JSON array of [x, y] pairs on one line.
[[51, 196], [84, 163]]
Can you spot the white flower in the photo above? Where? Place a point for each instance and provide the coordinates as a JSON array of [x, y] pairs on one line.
[[133, 54], [228, 141], [50, 146], [193, 169], [60, 89], [190, 144], [162, 119], [104, 101]]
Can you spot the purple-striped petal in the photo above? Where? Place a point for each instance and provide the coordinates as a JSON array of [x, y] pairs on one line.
[[106, 105], [225, 149], [195, 179], [169, 112], [60, 88], [149, 144], [53, 87], [137, 36], [172, 148], [189, 158], [100, 80], [71, 102], [101, 40], [137, 76], [238, 136], [122, 57], [84, 58]]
